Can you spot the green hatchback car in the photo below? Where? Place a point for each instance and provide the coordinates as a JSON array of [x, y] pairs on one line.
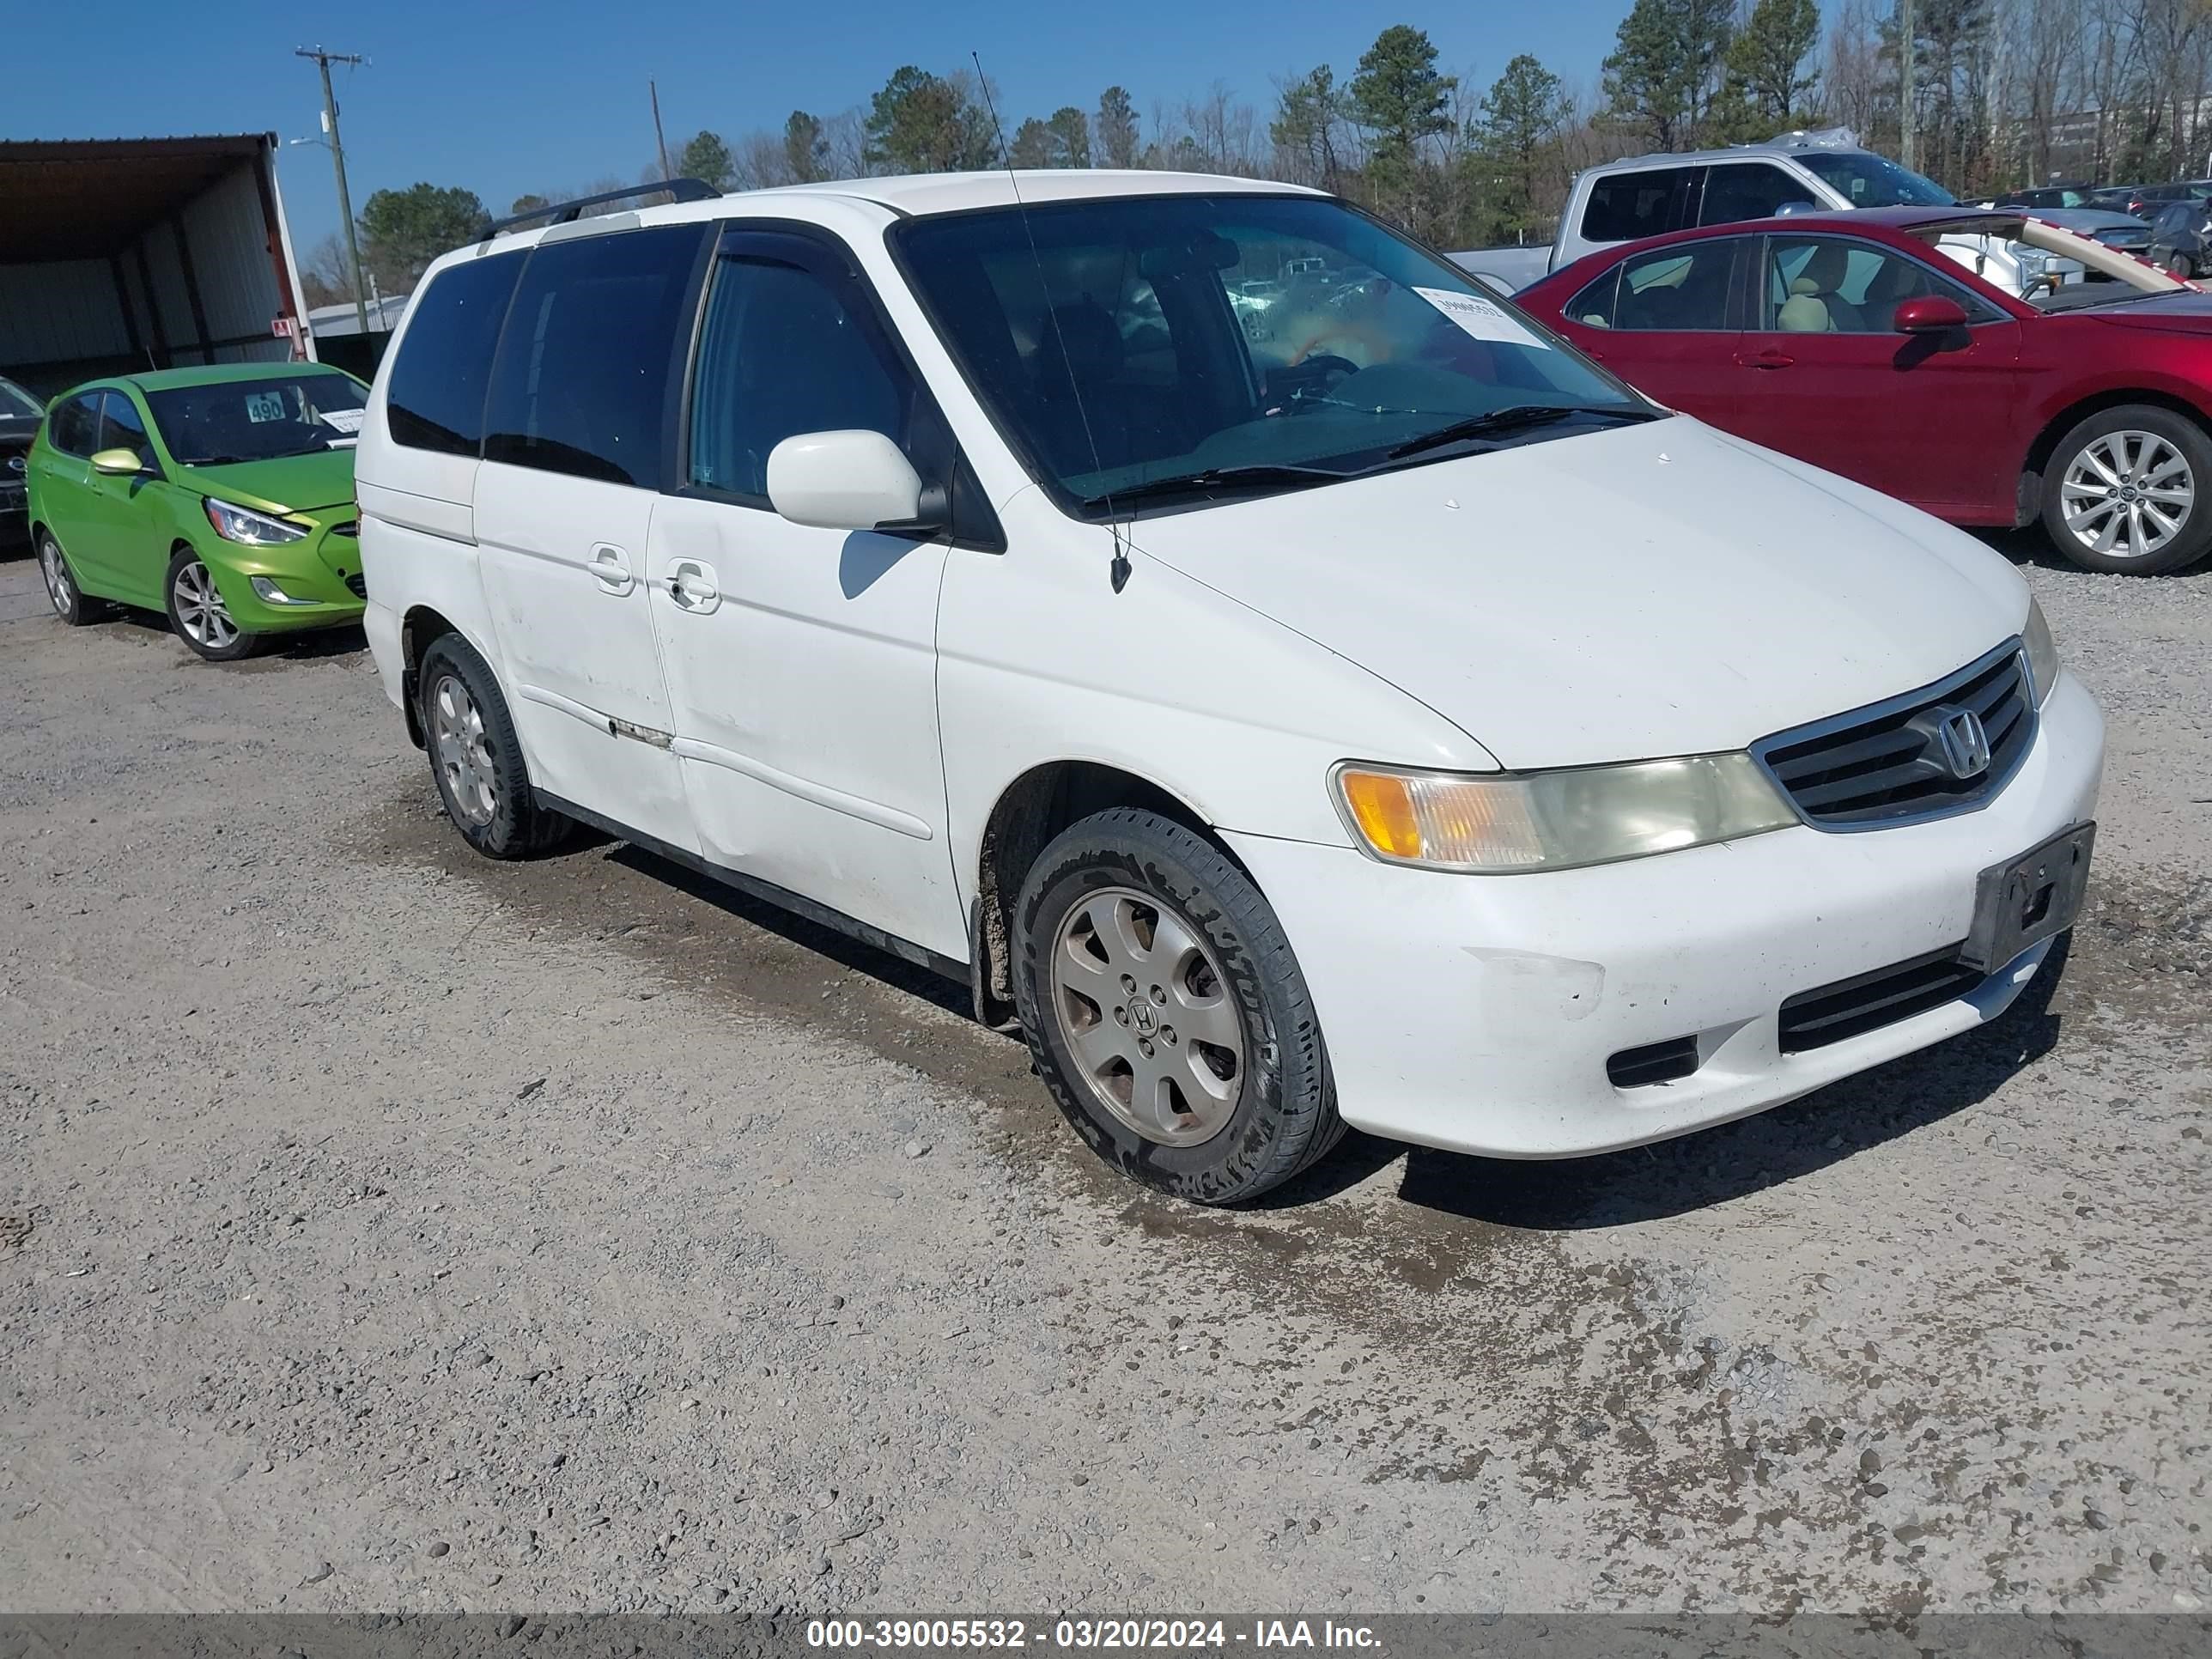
[[222, 495]]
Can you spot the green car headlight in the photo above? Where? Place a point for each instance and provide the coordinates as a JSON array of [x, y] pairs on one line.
[[1499, 823], [2042, 653], [241, 524]]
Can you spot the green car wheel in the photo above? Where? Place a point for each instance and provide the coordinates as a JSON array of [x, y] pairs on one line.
[[197, 611]]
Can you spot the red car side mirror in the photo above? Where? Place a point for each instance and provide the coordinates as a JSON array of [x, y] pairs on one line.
[[1931, 313]]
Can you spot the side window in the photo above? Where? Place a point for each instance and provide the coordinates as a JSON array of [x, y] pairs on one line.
[[74, 427], [435, 398], [120, 428], [582, 375], [1624, 206], [1748, 190], [782, 353], [1679, 289], [1593, 307], [1822, 287]]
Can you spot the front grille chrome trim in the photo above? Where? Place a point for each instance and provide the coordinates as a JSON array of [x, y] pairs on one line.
[[1986, 788]]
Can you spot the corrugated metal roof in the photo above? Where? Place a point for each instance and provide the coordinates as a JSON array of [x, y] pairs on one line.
[[84, 198]]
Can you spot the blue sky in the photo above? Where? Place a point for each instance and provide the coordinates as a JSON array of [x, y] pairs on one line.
[[504, 99]]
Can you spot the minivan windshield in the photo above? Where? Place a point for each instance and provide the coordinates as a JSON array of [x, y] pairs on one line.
[[1176, 349], [1867, 180], [263, 419]]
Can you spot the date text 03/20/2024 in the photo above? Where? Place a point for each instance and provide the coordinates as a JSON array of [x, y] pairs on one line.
[[1261, 1634]]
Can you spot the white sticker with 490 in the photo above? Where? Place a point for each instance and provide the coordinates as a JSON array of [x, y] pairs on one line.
[[1484, 320]]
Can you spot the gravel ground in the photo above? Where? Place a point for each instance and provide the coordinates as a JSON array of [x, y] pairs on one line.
[[382, 1229]]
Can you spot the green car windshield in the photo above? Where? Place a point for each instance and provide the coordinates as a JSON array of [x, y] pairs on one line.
[[259, 420], [16, 404], [1118, 344]]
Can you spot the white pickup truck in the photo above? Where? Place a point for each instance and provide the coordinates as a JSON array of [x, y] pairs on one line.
[[1800, 172]]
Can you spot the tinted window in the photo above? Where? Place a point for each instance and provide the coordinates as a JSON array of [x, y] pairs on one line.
[[582, 375], [436, 395], [121, 428], [262, 419], [1747, 191], [74, 427], [1818, 287], [1680, 289], [780, 354], [1627, 205], [1114, 344]]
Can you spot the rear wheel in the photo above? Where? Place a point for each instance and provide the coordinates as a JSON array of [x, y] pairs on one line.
[[70, 603], [2181, 265], [476, 757], [1166, 1012], [2126, 490], [198, 615]]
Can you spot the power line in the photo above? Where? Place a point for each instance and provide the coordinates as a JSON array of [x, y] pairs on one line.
[[323, 62]]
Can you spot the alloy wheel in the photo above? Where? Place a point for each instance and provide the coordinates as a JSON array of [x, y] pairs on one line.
[[59, 589], [1146, 1014], [200, 610], [2127, 494], [465, 759]]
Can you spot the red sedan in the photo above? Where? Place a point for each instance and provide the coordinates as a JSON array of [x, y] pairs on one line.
[[1865, 343]]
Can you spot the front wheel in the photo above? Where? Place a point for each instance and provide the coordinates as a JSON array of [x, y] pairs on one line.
[[2125, 490], [70, 603], [1166, 1012], [483, 778], [2180, 266], [198, 615]]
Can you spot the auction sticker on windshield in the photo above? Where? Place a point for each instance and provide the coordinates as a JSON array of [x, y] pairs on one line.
[[1479, 317]]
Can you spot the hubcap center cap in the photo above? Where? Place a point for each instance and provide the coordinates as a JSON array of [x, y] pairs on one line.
[[1142, 1019]]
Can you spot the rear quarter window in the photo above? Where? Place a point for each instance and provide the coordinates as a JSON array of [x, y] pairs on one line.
[[435, 397], [1624, 206]]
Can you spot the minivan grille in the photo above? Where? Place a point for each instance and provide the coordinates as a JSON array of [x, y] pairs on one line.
[[1877, 765], [1852, 1007]]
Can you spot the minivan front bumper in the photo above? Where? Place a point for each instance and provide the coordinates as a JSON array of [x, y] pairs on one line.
[[1478, 1013]]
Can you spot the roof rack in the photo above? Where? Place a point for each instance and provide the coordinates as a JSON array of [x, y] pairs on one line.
[[563, 213]]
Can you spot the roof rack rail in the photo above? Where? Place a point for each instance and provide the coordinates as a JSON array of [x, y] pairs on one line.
[[563, 213]]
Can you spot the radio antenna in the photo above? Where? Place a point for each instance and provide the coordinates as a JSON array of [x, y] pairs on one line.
[[1118, 571]]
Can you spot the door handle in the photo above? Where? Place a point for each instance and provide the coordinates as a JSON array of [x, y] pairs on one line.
[[691, 584], [1766, 360], [609, 568]]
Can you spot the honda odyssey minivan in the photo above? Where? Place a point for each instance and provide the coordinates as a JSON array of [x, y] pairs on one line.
[[1392, 721]]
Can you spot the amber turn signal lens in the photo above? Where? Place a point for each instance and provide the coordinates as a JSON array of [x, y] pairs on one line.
[[1382, 806]]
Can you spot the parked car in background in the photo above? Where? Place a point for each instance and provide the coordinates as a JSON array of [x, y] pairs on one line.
[[1851, 341], [2144, 201], [2123, 232], [20, 414], [223, 496], [1231, 715], [2045, 196], [2180, 238], [1625, 201]]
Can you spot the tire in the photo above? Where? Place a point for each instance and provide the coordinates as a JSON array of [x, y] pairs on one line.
[[198, 615], [1227, 971], [2180, 266], [2158, 455], [71, 603], [477, 758]]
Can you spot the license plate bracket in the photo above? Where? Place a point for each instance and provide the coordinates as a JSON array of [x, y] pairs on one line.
[[2028, 899]]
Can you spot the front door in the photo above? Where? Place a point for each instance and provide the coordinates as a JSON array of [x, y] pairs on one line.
[[123, 532], [1826, 377], [574, 450], [802, 663]]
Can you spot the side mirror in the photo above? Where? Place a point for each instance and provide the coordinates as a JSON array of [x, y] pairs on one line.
[[1931, 313], [850, 480], [117, 464], [1794, 206]]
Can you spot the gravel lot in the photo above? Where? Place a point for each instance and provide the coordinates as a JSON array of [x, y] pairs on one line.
[[382, 1229]]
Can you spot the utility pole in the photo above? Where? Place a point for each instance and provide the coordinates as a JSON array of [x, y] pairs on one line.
[[323, 61], [660, 137], [1908, 76]]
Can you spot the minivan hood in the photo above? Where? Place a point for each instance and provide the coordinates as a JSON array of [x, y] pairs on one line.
[[1649, 590], [295, 483]]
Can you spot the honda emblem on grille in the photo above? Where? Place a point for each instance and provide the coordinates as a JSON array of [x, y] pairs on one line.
[[1965, 745]]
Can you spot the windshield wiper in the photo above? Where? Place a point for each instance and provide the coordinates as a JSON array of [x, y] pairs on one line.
[[1516, 418], [1213, 478]]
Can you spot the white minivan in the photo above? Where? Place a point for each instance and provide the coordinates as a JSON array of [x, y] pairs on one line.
[[1394, 722]]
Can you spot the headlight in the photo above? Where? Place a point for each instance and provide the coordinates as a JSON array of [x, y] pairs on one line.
[[2042, 653], [1499, 823], [239, 524]]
